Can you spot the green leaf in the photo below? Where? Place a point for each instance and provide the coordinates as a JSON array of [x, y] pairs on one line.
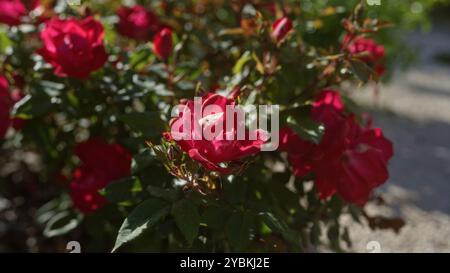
[[144, 216], [280, 227], [306, 128], [187, 219], [235, 191], [32, 106], [142, 160], [149, 124], [122, 190], [140, 58], [237, 230], [215, 217], [166, 194]]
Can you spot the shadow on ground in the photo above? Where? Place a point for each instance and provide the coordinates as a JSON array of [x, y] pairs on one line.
[[417, 191], [422, 159]]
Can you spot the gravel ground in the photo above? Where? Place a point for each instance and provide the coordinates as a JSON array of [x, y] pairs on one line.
[[414, 112]]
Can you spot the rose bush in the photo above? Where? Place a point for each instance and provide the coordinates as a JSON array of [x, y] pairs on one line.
[[136, 22], [87, 91]]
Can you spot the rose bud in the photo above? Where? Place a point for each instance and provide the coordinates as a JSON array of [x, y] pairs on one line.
[[11, 11], [281, 28], [224, 146], [137, 23]]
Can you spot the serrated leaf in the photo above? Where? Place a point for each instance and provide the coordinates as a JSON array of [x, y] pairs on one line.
[[166, 194], [187, 219], [272, 222], [280, 227], [122, 190], [140, 58], [5, 42], [144, 216], [142, 161]]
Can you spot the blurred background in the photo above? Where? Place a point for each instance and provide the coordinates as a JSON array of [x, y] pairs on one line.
[[412, 106], [414, 112]]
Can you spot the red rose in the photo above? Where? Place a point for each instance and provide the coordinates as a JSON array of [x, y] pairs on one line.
[[74, 47], [367, 50], [281, 28], [162, 43], [223, 146], [102, 163], [359, 168], [350, 160], [11, 11], [137, 23]]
